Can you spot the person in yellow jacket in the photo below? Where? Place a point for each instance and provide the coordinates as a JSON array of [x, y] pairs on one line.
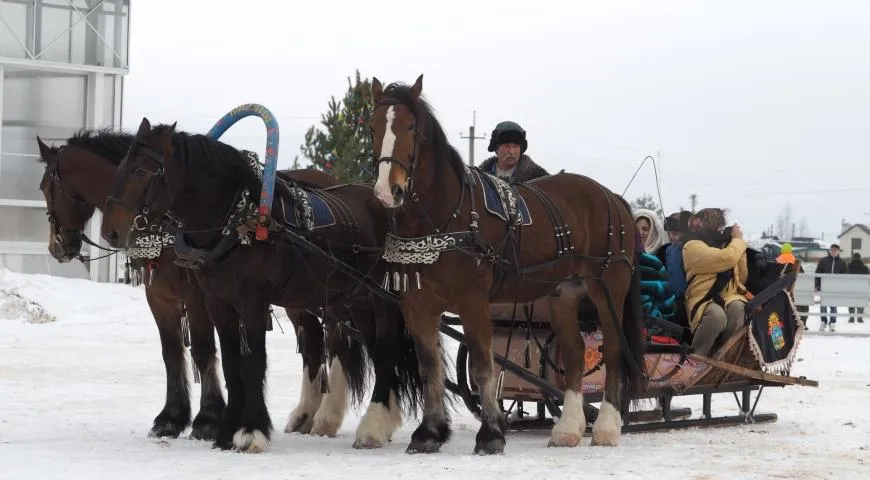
[[714, 259]]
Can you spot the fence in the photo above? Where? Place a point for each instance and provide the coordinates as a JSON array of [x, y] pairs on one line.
[[837, 291]]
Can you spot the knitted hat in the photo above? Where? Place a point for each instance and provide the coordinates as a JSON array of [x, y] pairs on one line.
[[786, 248]]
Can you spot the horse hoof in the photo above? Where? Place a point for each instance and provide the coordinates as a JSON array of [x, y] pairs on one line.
[[250, 441], [166, 430], [299, 423], [490, 447], [325, 426], [563, 440], [204, 431], [423, 446], [368, 442], [605, 439]]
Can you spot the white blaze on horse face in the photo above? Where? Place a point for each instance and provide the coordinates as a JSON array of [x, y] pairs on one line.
[[382, 186]]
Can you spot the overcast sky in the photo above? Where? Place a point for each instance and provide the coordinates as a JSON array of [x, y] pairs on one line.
[[750, 104]]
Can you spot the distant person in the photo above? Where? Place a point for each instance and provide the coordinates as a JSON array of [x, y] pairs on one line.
[[832, 263], [857, 267], [786, 257], [510, 163]]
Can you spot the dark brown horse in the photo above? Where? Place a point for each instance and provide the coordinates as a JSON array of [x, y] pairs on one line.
[[76, 180], [214, 192], [466, 239]]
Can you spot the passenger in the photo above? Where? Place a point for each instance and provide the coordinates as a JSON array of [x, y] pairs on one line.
[[716, 269], [510, 163], [652, 232]]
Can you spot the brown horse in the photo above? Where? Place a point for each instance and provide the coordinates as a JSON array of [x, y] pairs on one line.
[[76, 181], [212, 191], [466, 239]]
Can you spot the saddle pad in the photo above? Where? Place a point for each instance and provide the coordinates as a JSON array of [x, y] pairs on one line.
[[502, 200], [306, 209]]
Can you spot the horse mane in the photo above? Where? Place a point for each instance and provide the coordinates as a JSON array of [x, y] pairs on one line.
[[104, 142], [199, 153], [401, 94]]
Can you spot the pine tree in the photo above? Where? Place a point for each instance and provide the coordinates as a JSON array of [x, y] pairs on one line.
[[647, 201], [344, 149]]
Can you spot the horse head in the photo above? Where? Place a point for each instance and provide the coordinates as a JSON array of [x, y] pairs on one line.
[[68, 212], [141, 193], [396, 139]]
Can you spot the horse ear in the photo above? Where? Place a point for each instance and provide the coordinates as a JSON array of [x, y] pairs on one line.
[[377, 90], [144, 127], [417, 89], [166, 135], [45, 152]]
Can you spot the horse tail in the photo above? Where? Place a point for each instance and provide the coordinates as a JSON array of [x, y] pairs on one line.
[[354, 358], [410, 384], [632, 370]]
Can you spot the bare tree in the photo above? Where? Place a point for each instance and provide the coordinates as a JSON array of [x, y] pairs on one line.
[[804, 227], [784, 223]]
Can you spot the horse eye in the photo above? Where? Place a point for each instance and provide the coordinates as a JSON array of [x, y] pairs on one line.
[[412, 126]]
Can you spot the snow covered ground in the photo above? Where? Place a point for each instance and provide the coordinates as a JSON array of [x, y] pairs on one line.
[[81, 379]]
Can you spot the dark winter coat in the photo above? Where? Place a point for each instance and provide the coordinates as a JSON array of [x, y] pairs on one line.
[[857, 267], [526, 169], [830, 264]]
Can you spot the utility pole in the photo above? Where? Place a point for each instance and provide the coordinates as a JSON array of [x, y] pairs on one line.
[[693, 201], [471, 138]]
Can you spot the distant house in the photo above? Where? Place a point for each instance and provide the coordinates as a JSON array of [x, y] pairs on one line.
[[855, 238]]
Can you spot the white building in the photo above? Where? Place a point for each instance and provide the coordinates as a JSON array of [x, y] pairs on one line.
[[855, 238], [62, 67]]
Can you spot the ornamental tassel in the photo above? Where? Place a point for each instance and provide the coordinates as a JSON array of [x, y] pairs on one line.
[[396, 281], [499, 385], [419, 285]]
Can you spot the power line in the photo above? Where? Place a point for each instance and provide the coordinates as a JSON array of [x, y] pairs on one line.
[[471, 138]]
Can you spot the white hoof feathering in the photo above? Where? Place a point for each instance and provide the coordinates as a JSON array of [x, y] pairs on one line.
[[572, 423], [250, 442], [377, 426], [608, 426], [301, 419], [329, 416]]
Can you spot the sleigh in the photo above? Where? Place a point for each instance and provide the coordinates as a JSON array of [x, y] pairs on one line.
[[757, 356]]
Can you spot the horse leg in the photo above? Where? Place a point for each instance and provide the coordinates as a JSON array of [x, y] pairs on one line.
[[225, 319], [384, 415], [255, 430], [204, 353], [564, 303], [309, 338], [422, 324], [477, 326], [175, 416], [608, 426], [333, 406]]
